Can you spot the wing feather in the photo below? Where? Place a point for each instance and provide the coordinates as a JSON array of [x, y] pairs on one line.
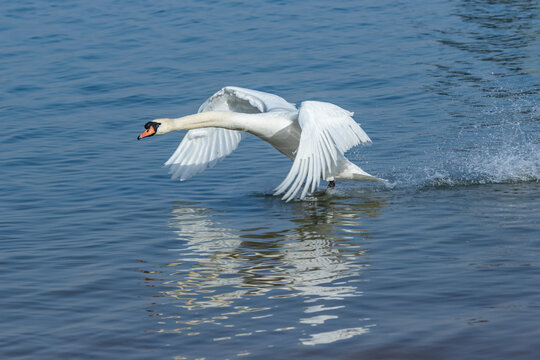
[[203, 148], [327, 132]]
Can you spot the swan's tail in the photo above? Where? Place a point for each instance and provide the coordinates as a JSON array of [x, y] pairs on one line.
[[367, 177], [354, 172]]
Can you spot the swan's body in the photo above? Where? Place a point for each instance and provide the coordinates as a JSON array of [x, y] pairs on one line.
[[315, 137]]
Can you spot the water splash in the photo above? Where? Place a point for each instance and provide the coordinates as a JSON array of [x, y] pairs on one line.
[[501, 147], [508, 155]]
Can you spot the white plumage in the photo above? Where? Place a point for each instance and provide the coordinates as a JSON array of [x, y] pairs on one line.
[[327, 132], [315, 137]]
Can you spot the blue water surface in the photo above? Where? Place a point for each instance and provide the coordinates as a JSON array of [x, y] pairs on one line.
[[103, 256]]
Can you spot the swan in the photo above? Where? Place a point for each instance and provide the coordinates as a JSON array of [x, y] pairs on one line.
[[315, 136]]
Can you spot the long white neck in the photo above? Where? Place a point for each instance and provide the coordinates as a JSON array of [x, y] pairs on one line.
[[220, 119], [264, 125]]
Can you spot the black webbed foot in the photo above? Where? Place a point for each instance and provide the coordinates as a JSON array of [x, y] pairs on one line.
[[320, 193]]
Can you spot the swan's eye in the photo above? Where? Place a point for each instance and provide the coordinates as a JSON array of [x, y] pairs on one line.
[[153, 124]]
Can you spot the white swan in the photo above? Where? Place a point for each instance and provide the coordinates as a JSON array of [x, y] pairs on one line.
[[315, 137]]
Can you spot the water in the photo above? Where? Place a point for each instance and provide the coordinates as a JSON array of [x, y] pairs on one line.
[[104, 257]]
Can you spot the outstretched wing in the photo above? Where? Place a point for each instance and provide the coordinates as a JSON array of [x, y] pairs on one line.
[[203, 148], [200, 149], [327, 132], [241, 100]]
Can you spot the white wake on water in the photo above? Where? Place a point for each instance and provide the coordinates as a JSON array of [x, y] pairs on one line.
[[497, 154], [489, 167]]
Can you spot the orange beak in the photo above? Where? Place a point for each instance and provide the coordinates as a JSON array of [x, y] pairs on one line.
[[148, 132]]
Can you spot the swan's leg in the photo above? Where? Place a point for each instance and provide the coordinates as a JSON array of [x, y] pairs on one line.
[[331, 185]]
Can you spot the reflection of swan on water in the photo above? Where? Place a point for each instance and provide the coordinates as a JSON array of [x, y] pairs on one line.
[[304, 260], [315, 257], [315, 137]]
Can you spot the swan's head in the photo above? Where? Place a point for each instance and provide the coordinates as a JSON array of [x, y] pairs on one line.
[[155, 127]]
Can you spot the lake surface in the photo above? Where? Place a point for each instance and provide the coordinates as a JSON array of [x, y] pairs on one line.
[[103, 256]]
